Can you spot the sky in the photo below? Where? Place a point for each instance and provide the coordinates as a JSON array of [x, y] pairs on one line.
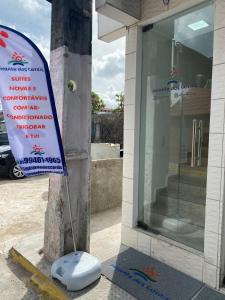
[[33, 18]]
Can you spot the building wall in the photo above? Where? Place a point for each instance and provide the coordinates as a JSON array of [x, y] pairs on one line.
[[154, 8], [109, 29], [106, 184], [150, 9], [208, 266], [104, 151]]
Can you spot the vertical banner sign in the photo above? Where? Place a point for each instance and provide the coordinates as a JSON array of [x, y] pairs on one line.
[[28, 106]]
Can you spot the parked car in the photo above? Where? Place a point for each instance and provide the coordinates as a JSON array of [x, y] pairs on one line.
[[8, 165], [4, 139]]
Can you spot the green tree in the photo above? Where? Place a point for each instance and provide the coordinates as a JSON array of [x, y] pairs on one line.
[[120, 98], [96, 102]]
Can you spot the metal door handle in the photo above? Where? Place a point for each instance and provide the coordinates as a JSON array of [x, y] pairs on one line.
[[200, 140], [193, 147]]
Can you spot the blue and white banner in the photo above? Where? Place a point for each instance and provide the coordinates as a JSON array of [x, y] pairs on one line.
[[28, 106]]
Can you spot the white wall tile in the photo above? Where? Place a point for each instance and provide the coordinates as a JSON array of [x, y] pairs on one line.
[[210, 275], [215, 149], [219, 14], [223, 152], [129, 237], [127, 214], [222, 186], [128, 190], [219, 46], [130, 89], [131, 40], [128, 167], [213, 183], [212, 216], [217, 116], [219, 278], [178, 258], [211, 248], [129, 117], [219, 258], [221, 218], [144, 243], [129, 141], [130, 71], [218, 86]]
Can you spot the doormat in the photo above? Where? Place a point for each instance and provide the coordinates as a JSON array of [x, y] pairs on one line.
[[209, 294], [148, 279]]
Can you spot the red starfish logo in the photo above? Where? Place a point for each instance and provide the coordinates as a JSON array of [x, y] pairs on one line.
[[5, 35], [151, 271], [37, 148]]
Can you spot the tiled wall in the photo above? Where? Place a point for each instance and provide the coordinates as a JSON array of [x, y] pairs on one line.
[[213, 265], [129, 128], [209, 267]]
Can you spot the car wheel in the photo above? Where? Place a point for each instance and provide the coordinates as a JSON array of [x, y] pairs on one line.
[[15, 171]]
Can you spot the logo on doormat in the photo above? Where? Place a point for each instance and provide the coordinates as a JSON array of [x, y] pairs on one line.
[[147, 274], [142, 279]]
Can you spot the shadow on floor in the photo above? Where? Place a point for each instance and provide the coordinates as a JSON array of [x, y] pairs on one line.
[[23, 276], [105, 219], [45, 267]]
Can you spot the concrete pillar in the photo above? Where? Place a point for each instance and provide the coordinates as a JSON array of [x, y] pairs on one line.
[[71, 60]]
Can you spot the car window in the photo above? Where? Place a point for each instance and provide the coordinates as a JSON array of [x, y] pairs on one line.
[[4, 139]]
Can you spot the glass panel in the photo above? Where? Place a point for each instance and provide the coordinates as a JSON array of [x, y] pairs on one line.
[[175, 113]]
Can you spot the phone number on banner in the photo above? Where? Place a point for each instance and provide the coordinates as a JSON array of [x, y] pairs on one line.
[[38, 160], [42, 168]]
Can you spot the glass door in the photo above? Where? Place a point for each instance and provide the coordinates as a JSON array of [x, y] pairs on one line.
[[175, 114]]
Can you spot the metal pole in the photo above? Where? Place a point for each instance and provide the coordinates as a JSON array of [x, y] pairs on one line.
[[70, 212]]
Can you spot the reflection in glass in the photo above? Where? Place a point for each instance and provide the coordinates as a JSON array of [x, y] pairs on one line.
[[175, 114]]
